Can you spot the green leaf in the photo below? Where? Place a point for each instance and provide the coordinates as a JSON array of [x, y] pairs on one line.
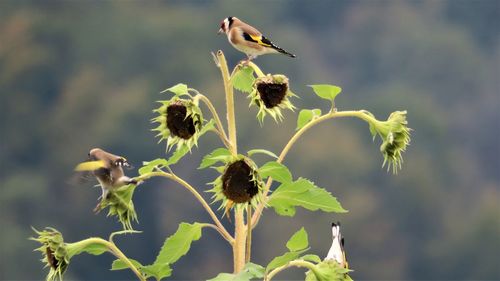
[[282, 260], [243, 79], [179, 243], [261, 151], [306, 115], [249, 272], [303, 193], [327, 92], [312, 258], [208, 126], [179, 89], [298, 241], [119, 264], [158, 271], [177, 155], [255, 269], [148, 167], [223, 277], [277, 171], [218, 155]]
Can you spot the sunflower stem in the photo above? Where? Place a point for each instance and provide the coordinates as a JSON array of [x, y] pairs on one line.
[[228, 89], [296, 263], [239, 240], [330, 115], [257, 69], [239, 223], [218, 123], [249, 234]]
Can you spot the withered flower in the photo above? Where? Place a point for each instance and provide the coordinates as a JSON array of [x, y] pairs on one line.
[[271, 94], [180, 122]]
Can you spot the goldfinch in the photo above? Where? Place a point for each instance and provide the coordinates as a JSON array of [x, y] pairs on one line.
[[247, 39], [337, 252], [108, 170]]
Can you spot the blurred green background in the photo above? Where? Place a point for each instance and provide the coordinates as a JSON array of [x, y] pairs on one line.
[[81, 74]]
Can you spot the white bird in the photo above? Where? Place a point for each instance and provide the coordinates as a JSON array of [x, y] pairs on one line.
[[337, 252], [248, 39]]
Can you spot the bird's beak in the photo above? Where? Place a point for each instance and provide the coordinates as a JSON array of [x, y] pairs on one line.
[[220, 31]]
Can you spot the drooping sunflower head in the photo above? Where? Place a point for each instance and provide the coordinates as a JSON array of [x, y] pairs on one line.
[[271, 94], [54, 251], [395, 136], [121, 205], [180, 122], [239, 184]]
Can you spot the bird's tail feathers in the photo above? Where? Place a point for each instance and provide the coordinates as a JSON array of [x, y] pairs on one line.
[[282, 51]]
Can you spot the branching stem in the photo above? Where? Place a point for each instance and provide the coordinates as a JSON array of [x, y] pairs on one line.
[[296, 263], [222, 230], [332, 114], [218, 123]]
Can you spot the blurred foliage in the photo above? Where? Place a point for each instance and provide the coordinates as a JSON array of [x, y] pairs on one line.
[[75, 75]]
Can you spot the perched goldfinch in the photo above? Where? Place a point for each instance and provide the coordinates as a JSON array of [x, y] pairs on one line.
[[337, 252], [248, 39], [108, 170]]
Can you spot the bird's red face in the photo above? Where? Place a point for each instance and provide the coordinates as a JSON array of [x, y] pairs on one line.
[[222, 28], [225, 24]]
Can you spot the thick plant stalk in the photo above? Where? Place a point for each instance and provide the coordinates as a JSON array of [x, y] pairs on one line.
[[239, 223], [228, 89]]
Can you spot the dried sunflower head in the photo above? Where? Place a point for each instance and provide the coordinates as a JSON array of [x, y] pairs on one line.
[[239, 183], [54, 251], [121, 205], [180, 122], [271, 94]]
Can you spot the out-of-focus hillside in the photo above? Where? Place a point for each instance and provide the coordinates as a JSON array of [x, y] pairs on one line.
[[76, 75]]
